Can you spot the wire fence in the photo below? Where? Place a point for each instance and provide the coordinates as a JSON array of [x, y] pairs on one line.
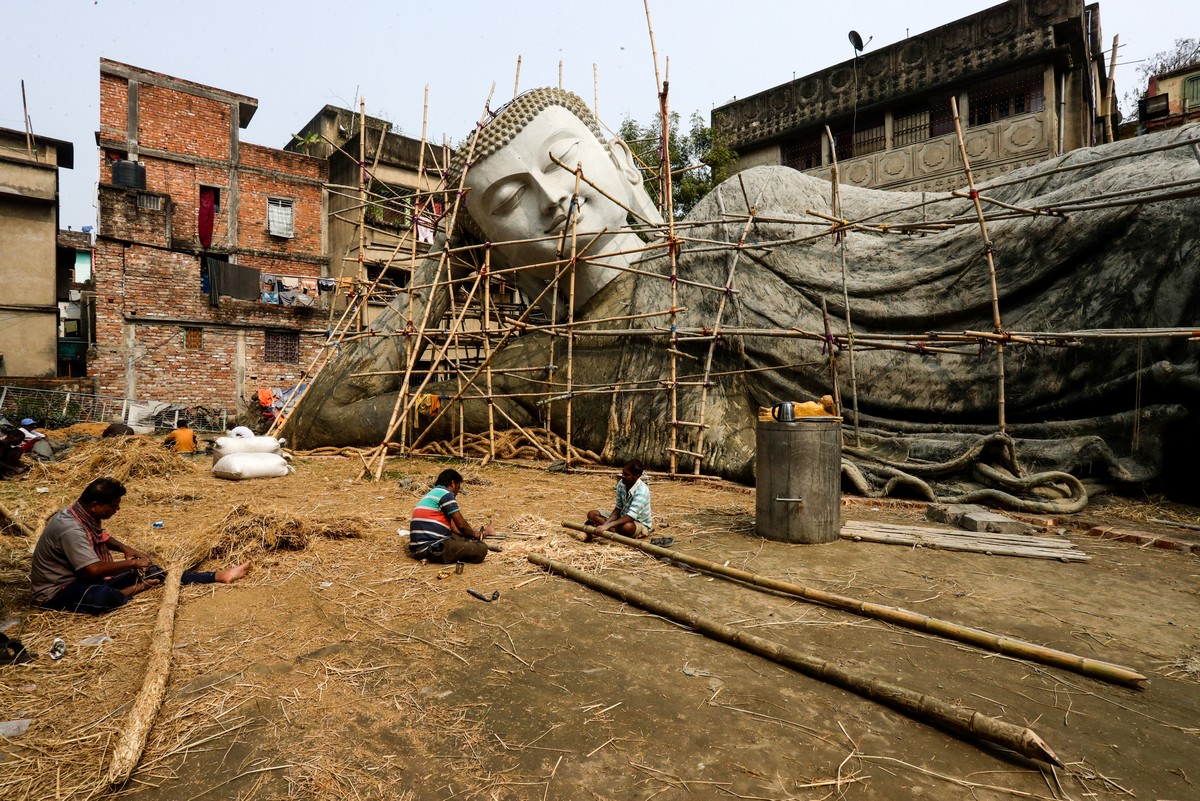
[[54, 409]]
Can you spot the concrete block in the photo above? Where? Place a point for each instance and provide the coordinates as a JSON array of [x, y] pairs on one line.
[[951, 512], [993, 523]]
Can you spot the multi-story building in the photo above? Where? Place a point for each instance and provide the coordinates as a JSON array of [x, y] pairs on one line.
[[209, 249], [382, 214], [1028, 77], [29, 310]]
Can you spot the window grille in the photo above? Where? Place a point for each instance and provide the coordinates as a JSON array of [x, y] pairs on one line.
[[802, 152], [149, 202], [193, 339], [923, 120], [281, 347], [280, 217], [1019, 92], [867, 136]]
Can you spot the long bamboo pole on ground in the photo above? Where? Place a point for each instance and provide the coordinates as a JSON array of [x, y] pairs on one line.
[[128, 751], [962, 721], [1106, 671]]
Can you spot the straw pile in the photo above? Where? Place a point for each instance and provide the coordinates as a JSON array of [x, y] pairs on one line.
[[511, 444], [243, 533], [78, 430], [123, 458]]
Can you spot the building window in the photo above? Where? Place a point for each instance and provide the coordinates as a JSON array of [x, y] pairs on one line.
[[1020, 92], [1191, 94], [802, 152], [149, 202], [216, 195], [858, 138], [193, 339], [281, 347], [923, 120], [280, 217]]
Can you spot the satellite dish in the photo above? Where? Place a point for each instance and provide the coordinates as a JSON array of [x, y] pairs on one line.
[[856, 41]]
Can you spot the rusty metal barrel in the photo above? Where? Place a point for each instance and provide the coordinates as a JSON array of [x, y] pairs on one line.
[[798, 477]]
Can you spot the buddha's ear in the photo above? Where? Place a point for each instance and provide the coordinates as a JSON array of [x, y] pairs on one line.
[[622, 156], [639, 200]]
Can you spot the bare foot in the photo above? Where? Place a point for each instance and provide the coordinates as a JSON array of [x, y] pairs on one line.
[[232, 574]]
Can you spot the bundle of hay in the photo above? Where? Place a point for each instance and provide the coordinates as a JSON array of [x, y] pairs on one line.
[[244, 533]]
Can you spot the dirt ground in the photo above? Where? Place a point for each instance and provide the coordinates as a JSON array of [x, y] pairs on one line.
[[346, 670]]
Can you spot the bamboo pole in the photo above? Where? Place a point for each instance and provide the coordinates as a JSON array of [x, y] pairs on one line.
[[1108, 95], [142, 714], [517, 79], [840, 239], [487, 349], [988, 253], [1011, 646], [574, 215], [962, 721]]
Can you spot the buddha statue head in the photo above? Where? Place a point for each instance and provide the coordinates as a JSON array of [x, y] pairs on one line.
[[523, 195]]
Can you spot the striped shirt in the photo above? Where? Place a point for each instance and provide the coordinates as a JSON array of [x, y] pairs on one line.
[[430, 525], [635, 503]]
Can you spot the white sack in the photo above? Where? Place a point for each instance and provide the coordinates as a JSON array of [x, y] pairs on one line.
[[240, 466]]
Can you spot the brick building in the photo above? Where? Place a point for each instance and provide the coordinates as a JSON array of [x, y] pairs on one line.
[[208, 250], [1028, 77]]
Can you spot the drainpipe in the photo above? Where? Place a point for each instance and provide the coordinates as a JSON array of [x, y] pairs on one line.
[[1062, 110]]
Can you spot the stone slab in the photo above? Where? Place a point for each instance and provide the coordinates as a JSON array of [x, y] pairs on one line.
[[993, 523], [951, 512]]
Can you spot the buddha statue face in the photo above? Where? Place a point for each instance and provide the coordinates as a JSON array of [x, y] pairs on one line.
[[517, 191]]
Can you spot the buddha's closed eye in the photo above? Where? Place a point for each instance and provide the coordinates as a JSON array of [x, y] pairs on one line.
[[506, 198]]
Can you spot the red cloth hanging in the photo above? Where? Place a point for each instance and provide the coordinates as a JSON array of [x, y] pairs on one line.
[[204, 226]]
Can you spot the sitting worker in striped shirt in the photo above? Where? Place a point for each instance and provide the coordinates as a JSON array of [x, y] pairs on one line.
[[631, 516], [439, 532]]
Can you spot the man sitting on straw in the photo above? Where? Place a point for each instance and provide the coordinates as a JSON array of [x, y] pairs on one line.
[[73, 567], [631, 516], [439, 532]]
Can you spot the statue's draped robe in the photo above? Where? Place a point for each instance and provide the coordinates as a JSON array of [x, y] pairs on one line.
[[1125, 267]]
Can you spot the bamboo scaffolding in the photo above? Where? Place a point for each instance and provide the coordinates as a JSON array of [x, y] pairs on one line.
[[712, 345], [962, 721], [399, 418], [981, 638]]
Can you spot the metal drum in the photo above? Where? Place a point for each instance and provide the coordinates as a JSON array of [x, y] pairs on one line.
[[798, 472]]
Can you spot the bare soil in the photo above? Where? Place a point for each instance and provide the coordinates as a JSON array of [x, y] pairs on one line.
[[347, 670]]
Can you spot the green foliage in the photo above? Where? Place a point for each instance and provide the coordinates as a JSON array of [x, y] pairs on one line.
[[698, 161]]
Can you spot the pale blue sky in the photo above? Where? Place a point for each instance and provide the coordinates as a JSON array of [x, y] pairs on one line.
[[296, 57]]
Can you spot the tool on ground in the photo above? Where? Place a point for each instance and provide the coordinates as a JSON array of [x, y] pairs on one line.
[[482, 597]]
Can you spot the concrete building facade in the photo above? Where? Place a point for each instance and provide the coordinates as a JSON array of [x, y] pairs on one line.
[[208, 251], [29, 168], [1028, 77]]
